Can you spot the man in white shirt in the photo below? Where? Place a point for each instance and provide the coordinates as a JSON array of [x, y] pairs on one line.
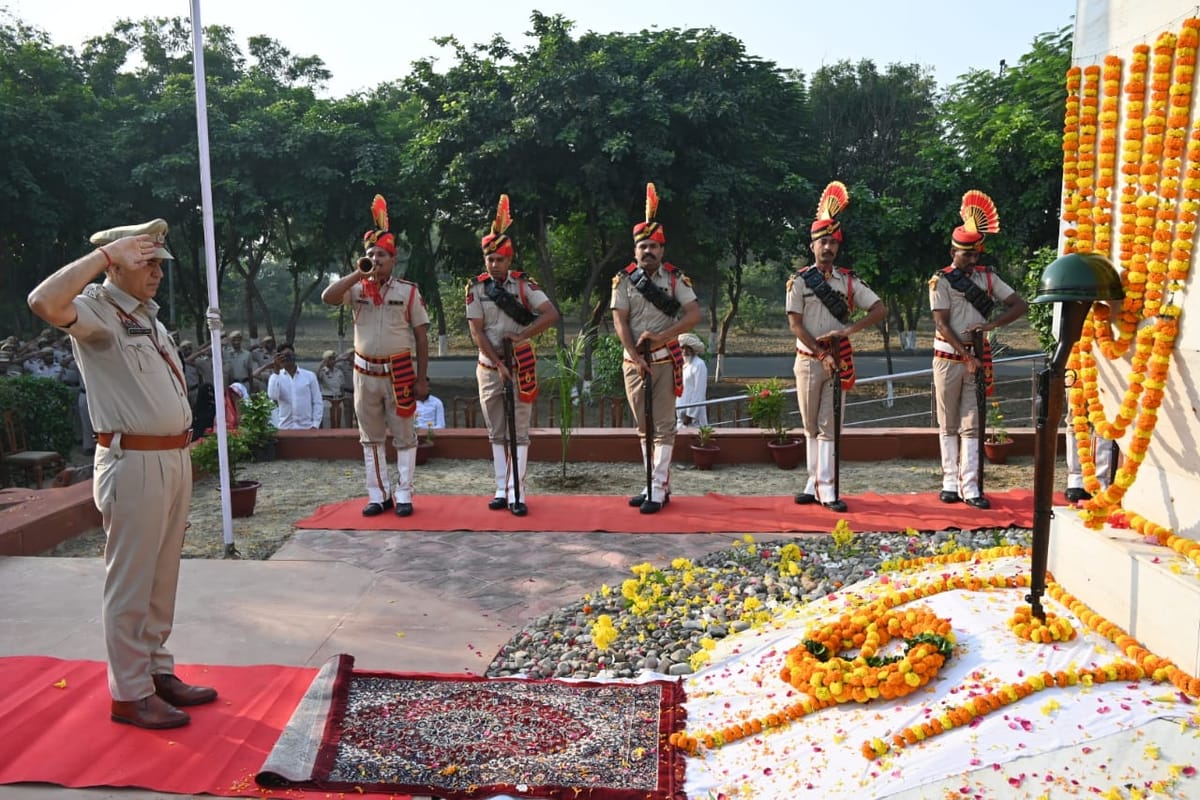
[[43, 365], [430, 411], [295, 391]]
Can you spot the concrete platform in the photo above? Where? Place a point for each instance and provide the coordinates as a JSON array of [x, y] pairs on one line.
[[401, 601]]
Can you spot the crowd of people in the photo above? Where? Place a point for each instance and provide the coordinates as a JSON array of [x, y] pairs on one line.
[[304, 399]]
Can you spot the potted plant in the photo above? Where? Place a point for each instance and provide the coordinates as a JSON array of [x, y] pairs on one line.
[[997, 442], [768, 410], [704, 448], [206, 458], [255, 425]]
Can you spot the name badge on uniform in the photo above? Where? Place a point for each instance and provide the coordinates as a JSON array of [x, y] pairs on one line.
[[134, 328], [395, 302]]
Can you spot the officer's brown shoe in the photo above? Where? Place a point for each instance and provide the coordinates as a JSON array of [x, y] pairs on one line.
[[949, 497], [978, 502], [178, 693], [150, 712], [805, 499], [498, 503]]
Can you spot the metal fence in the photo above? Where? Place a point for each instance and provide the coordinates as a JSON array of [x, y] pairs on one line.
[[906, 400]]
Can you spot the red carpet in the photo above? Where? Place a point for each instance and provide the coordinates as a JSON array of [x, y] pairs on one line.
[[712, 513], [62, 734]]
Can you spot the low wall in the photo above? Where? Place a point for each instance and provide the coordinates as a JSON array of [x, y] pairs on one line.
[[34, 521], [738, 445]]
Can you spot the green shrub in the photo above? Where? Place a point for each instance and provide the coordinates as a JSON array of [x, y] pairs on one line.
[[608, 379], [44, 409]]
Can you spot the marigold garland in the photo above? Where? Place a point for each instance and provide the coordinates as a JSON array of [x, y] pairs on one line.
[[1141, 664], [813, 668], [1086, 167], [1071, 159], [1107, 155], [1159, 206], [1052, 629]]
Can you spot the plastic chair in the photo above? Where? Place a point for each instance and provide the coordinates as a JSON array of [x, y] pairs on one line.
[[20, 460]]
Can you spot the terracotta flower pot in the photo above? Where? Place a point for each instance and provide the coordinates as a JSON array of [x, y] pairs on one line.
[[997, 452], [787, 455], [242, 497], [704, 456]]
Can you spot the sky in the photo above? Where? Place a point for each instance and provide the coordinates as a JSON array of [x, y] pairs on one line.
[[364, 43]]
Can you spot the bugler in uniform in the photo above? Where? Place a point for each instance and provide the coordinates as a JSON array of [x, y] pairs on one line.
[[962, 297], [652, 303], [505, 304], [821, 299], [391, 358]]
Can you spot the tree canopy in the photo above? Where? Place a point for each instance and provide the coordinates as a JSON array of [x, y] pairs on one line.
[[571, 127]]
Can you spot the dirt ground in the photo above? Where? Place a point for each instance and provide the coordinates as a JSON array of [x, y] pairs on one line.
[[291, 490]]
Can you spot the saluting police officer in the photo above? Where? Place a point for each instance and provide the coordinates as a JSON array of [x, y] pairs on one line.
[[652, 303], [391, 360], [505, 304], [143, 471]]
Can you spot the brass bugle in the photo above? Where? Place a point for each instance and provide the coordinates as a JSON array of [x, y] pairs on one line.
[[365, 264]]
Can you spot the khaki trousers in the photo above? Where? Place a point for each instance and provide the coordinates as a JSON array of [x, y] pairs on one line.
[[814, 396], [958, 426], [375, 407], [491, 401], [663, 378], [143, 498]]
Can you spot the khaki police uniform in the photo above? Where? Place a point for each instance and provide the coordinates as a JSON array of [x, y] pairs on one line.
[[380, 333], [953, 386], [139, 407], [496, 326], [239, 366], [330, 380], [645, 316], [814, 386]]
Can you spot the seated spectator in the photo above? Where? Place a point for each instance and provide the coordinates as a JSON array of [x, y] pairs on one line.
[[430, 412]]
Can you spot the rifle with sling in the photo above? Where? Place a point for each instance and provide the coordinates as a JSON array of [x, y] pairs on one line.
[[980, 402], [648, 416], [836, 346], [510, 419]]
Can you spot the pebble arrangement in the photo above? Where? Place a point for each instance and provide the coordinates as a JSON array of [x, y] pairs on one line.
[[694, 603]]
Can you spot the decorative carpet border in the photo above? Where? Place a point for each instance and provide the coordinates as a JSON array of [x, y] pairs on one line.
[[468, 737]]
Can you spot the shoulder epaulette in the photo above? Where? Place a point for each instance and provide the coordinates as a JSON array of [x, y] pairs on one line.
[[481, 277]]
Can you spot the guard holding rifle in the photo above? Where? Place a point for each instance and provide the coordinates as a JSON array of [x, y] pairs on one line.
[[652, 303], [505, 309], [821, 301], [962, 297]]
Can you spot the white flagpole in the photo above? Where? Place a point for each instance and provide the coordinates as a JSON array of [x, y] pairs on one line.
[[210, 266]]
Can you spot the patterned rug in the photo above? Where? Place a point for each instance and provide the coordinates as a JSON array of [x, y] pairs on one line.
[[466, 737]]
